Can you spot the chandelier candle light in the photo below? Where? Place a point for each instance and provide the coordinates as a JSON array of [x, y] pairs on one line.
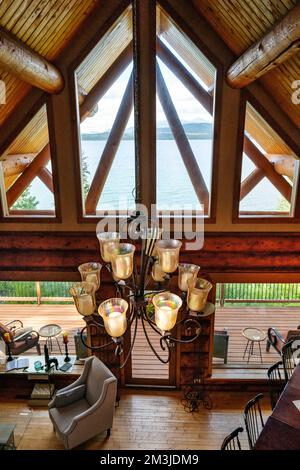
[[134, 301]]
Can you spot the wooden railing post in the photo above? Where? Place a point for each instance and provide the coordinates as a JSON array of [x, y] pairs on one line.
[[222, 295], [38, 292]]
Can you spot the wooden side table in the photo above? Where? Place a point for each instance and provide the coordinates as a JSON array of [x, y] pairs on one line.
[[7, 438]]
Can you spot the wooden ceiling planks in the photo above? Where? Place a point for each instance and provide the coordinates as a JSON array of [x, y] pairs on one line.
[[47, 26], [105, 52], [243, 22]]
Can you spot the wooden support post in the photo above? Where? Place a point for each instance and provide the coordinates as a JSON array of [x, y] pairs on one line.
[[144, 50], [110, 149], [191, 84], [28, 176], [222, 295], [275, 47], [46, 177], [263, 163], [22, 62], [182, 141], [105, 82], [38, 292], [250, 182]]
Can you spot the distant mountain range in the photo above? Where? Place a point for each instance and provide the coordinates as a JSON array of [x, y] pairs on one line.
[[196, 131]]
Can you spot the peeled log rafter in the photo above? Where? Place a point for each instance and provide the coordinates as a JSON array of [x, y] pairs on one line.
[[275, 47], [28, 175], [283, 164], [15, 164], [22, 62]]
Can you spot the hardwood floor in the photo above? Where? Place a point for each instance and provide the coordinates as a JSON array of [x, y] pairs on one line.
[[143, 420]]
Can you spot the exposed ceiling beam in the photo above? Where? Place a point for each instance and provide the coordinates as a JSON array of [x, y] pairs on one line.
[[15, 164], [283, 164], [19, 60], [28, 176], [275, 47]]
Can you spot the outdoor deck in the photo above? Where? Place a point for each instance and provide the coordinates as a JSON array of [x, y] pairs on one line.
[[233, 319]]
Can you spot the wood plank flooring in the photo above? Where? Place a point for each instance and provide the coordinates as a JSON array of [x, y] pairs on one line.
[[39, 315], [234, 319], [143, 420]]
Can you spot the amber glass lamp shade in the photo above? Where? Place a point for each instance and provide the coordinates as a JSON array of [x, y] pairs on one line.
[[157, 273], [198, 290], [186, 272], [166, 307], [106, 240], [121, 258], [90, 272], [83, 294], [113, 311], [168, 254]]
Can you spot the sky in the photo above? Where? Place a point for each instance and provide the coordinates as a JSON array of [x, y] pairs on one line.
[[188, 108]]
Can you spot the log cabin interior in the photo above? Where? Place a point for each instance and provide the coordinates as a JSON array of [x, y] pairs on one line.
[[149, 225]]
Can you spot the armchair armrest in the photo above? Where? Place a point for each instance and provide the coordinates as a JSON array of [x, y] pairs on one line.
[[24, 333], [12, 326]]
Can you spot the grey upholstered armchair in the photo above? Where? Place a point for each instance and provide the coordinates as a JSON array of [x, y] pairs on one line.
[[85, 408]]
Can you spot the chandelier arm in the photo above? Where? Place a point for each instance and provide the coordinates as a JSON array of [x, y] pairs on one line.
[[131, 345], [93, 348], [198, 333], [162, 339]]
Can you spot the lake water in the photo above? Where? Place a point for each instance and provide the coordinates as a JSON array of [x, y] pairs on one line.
[[173, 184]]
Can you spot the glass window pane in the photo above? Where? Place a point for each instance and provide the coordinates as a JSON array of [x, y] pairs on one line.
[[31, 196], [262, 194]]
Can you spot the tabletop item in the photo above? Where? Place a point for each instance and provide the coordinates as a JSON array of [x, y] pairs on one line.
[[17, 364], [51, 331], [253, 336]]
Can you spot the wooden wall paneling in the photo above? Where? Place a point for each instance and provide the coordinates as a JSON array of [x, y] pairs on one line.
[[144, 52]]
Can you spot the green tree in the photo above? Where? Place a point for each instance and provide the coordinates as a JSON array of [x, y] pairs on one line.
[[85, 176], [26, 201]]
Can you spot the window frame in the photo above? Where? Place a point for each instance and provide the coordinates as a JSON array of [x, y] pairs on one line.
[[39, 217], [247, 97], [139, 103]]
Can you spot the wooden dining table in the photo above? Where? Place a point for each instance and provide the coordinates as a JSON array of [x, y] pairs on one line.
[[282, 429]]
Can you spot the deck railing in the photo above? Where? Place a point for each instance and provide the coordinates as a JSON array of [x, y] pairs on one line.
[[35, 292], [258, 293], [227, 293]]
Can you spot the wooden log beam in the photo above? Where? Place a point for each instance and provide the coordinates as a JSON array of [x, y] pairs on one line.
[[262, 162], [106, 81], [28, 175], [15, 164], [110, 149], [283, 164], [144, 73], [276, 46], [19, 60], [204, 98], [182, 141], [46, 177], [250, 182]]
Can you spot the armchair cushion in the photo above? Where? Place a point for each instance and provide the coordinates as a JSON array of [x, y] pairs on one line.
[[68, 397], [65, 415]]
